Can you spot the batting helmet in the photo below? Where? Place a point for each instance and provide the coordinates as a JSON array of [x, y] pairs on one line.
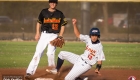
[[94, 31], [53, 1]]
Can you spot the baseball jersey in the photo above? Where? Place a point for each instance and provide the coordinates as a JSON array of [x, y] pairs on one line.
[[51, 21], [93, 52]]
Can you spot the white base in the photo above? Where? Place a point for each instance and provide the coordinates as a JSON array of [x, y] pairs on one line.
[[43, 79]]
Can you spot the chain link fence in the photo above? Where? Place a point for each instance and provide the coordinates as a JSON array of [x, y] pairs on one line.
[[18, 20]]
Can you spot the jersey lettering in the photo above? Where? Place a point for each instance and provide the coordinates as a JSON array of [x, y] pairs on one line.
[[91, 52], [53, 20]]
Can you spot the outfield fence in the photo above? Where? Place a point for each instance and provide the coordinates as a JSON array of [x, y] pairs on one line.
[[122, 24]]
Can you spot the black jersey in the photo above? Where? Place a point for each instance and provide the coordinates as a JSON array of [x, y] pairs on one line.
[[51, 21]]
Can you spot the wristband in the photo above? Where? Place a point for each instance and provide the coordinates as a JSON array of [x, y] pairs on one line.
[[98, 66]]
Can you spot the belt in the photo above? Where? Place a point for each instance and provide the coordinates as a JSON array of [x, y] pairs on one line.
[[48, 32], [85, 61]]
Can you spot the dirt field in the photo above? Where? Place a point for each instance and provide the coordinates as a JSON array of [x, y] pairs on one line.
[[107, 74]]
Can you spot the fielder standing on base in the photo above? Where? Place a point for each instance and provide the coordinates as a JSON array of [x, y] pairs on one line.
[[52, 23], [82, 63]]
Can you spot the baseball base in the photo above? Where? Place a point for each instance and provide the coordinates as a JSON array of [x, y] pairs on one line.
[[43, 79]]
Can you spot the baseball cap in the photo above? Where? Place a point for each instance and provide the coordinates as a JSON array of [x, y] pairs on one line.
[[53, 1]]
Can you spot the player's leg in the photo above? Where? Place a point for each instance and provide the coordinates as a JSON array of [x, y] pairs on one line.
[[64, 55], [41, 45], [79, 68], [51, 51], [51, 55]]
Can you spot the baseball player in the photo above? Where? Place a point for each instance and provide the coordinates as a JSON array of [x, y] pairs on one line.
[[52, 23], [82, 63]]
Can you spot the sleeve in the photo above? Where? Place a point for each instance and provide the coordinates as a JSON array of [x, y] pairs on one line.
[[63, 20], [84, 38], [40, 17], [101, 56]]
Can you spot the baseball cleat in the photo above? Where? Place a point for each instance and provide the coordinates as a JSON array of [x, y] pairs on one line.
[[27, 76], [78, 78], [85, 78], [53, 71]]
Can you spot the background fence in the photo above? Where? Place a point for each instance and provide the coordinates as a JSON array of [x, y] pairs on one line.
[[117, 21]]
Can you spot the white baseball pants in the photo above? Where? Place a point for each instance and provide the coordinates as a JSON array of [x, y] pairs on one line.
[[79, 67], [44, 41]]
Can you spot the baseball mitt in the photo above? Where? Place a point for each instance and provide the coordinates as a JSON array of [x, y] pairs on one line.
[[58, 42]]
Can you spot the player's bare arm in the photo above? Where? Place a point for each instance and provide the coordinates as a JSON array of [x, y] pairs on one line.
[[76, 31], [62, 31], [37, 35]]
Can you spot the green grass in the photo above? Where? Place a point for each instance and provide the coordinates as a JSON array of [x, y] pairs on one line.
[[122, 55], [118, 55]]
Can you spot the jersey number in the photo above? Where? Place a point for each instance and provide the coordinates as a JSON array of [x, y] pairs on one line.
[[90, 56], [55, 26]]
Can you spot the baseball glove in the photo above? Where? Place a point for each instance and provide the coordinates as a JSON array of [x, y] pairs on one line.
[[58, 42]]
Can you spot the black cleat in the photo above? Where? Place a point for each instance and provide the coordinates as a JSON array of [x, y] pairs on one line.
[[78, 78], [27, 76]]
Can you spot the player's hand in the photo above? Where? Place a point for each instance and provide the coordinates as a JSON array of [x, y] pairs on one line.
[[97, 72], [74, 21], [37, 36]]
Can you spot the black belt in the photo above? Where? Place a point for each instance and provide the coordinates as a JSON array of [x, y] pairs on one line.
[[48, 32], [85, 61]]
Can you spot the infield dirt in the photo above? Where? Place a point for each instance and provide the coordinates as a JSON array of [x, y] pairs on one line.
[[106, 74]]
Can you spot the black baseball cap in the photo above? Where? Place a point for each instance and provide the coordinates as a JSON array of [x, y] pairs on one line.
[[53, 1]]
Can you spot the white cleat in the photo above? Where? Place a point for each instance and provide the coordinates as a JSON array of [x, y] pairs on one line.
[[85, 78], [53, 71]]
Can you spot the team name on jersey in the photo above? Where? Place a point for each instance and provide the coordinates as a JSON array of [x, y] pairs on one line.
[[53, 20], [91, 51]]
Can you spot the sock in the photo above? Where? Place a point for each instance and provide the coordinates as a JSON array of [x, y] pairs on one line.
[[59, 63]]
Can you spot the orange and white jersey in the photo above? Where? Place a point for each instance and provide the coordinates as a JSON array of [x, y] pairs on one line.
[[93, 52]]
